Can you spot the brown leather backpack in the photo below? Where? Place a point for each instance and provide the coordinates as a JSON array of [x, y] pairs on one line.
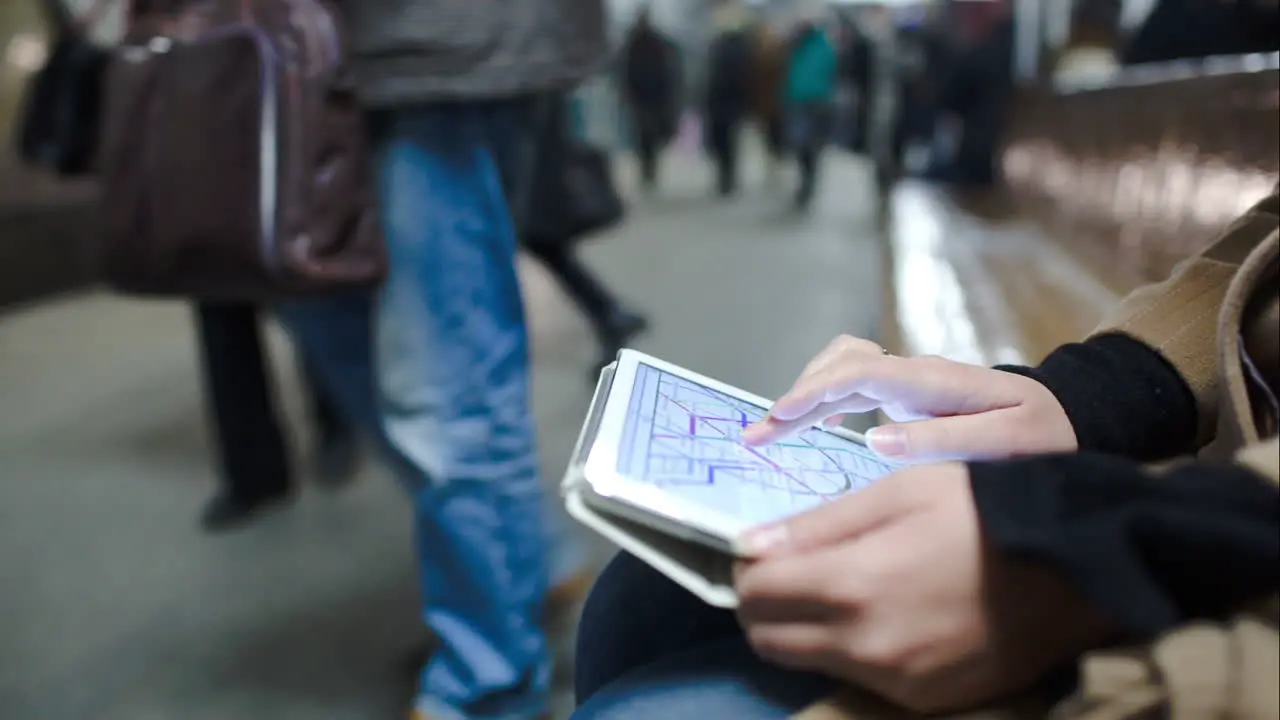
[[233, 154]]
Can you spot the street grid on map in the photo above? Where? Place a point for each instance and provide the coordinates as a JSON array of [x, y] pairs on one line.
[[685, 437]]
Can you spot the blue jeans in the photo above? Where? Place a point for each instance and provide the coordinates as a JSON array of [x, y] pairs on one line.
[[649, 649], [437, 367]]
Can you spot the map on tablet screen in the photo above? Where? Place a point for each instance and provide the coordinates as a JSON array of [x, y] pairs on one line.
[[684, 437]]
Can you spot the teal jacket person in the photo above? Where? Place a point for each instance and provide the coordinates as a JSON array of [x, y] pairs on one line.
[[811, 73]]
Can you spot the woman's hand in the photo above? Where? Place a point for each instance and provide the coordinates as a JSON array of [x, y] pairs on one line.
[[891, 589], [943, 409]]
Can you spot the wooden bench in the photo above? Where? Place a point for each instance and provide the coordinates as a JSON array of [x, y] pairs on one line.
[[981, 289], [1107, 188]]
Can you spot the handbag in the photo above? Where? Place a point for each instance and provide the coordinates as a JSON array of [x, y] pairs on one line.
[[572, 193], [61, 112], [235, 167]]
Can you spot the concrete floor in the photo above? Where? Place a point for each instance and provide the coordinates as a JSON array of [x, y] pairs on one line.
[[114, 607]]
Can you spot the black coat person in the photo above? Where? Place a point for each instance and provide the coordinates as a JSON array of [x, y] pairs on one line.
[[728, 101], [651, 85], [855, 70], [979, 92]]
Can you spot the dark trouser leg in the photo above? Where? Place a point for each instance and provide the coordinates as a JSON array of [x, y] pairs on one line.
[[807, 158], [715, 146], [672, 656], [975, 159], [586, 290], [775, 137], [811, 139], [648, 164], [614, 326], [647, 148], [729, 183], [862, 123], [335, 450], [329, 423], [617, 634], [250, 445], [720, 140]]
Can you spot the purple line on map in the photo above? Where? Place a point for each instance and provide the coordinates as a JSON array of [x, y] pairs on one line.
[[763, 458], [694, 418], [713, 469], [792, 473]]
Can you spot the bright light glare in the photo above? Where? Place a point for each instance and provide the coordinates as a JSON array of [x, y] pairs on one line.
[[26, 51]]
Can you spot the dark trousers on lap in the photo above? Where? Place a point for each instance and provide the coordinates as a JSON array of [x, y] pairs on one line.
[[649, 649], [636, 616]]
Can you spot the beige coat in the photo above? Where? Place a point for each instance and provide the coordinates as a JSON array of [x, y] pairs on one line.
[[1219, 311]]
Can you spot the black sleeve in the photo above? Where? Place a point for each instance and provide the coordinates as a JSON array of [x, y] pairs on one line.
[[1149, 551], [1122, 397]]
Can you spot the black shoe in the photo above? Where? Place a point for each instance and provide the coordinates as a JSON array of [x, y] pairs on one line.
[[336, 461], [804, 197], [623, 327], [226, 511]]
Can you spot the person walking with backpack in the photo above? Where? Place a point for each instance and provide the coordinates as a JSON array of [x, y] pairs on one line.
[[60, 130]]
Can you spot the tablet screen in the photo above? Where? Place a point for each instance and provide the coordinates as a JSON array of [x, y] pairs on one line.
[[684, 437]]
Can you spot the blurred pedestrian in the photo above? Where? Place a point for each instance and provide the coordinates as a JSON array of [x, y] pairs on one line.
[[728, 92], [651, 90], [769, 70], [449, 86], [854, 69], [810, 97], [979, 92], [554, 213], [252, 456]]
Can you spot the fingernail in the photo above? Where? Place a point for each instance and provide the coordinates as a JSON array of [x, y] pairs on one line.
[[764, 540], [888, 441], [784, 408]]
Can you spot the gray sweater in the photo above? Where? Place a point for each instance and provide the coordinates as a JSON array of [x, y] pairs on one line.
[[416, 51]]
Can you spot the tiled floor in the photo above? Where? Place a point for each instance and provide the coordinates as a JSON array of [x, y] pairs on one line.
[[113, 606]]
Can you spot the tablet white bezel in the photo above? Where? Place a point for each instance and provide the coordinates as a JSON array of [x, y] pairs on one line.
[[600, 469]]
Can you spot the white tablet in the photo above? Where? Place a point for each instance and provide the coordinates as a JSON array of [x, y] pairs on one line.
[[665, 452]]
